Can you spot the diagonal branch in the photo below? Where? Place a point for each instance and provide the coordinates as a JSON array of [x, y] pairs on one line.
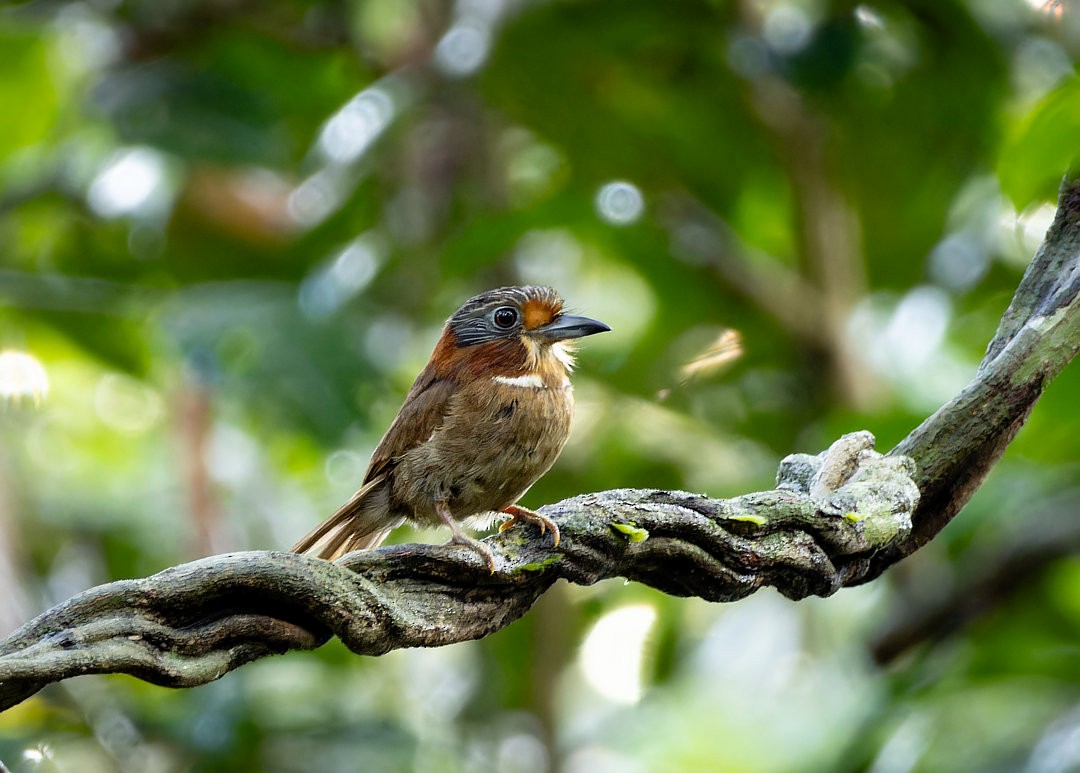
[[1038, 336], [836, 519]]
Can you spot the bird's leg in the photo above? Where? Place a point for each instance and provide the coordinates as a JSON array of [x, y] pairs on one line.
[[442, 509], [518, 514]]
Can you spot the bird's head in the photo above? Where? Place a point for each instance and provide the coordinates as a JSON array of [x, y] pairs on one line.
[[517, 329]]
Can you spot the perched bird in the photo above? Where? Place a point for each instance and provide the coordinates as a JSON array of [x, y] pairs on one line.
[[485, 418]]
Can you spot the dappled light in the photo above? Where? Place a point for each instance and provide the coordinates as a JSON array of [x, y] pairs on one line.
[[22, 376], [230, 234], [613, 652], [619, 203]]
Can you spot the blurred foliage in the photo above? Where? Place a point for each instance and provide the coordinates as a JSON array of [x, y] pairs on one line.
[[229, 232]]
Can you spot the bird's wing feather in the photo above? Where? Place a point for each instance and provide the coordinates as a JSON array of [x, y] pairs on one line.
[[423, 412], [365, 521]]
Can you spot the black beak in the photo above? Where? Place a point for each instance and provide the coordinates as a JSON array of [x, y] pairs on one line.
[[568, 326]]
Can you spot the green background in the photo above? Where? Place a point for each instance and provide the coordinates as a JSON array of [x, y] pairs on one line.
[[230, 231]]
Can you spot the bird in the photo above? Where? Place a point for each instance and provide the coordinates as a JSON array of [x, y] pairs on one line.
[[487, 416]]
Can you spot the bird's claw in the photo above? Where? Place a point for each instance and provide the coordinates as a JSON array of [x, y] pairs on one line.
[[523, 514], [477, 547]]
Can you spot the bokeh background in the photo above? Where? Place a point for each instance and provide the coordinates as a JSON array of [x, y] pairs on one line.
[[230, 231]]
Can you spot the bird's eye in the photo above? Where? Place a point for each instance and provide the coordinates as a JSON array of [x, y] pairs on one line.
[[505, 317]]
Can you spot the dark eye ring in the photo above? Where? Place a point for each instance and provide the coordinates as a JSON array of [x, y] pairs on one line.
[[505, 317]]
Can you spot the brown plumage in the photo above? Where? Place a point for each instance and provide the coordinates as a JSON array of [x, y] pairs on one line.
[[485, 418]]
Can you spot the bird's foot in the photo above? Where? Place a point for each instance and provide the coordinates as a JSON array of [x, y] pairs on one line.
[[442, 509], [523, 514], [475, 546]]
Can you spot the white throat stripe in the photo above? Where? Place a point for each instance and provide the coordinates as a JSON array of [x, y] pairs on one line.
[[531, 381]]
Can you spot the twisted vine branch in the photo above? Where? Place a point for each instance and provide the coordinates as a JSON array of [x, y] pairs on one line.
[[194, 622], [839, 518]]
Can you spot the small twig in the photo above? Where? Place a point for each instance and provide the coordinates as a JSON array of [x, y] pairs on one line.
[[760, 278]]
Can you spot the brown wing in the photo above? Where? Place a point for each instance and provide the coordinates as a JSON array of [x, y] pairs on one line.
[[365, 520], [423, 411]]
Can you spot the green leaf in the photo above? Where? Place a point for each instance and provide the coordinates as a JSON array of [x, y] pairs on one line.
[[633, 532], [1043, 147], [539, 566], [759, 520], [27, 91]]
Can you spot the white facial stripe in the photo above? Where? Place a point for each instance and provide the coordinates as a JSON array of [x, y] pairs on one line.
[[530, 381], [564, 353]]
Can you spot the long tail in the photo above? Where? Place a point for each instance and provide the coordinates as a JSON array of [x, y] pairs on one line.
[[359, 524]]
